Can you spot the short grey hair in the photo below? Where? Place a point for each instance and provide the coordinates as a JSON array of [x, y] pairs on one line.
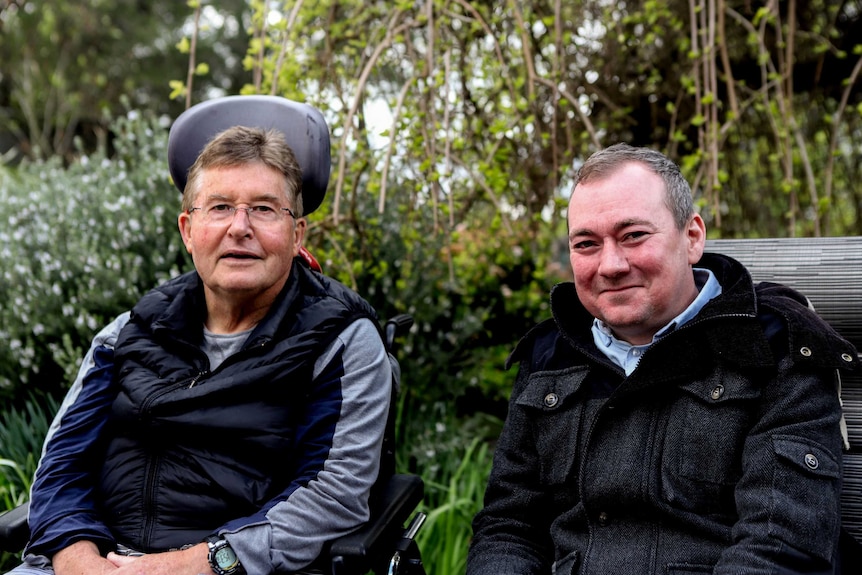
[[239, 146], [606, 162]]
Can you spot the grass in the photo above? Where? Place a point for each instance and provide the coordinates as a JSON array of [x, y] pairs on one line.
[[453, 456], [451, 505], [22, 431]]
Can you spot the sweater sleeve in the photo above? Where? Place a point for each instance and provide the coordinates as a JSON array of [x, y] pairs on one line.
[[329, 497], [62, 503]]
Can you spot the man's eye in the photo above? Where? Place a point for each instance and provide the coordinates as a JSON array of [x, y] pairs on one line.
[[583, 245], [220, 208], [262, 209], [634, 236]]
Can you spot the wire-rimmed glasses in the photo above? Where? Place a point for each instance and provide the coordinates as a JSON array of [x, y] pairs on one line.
[[262, 214]]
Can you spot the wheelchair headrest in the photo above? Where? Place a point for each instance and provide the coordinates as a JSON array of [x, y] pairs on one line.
[[303, 127]]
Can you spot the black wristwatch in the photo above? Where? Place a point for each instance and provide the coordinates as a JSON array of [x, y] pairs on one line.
[[222, 558]]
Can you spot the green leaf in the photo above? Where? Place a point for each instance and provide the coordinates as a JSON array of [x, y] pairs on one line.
[[184, 45], [178, 89]]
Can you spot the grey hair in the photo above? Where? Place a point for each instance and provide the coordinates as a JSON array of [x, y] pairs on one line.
[[677, 191], [241, 145]]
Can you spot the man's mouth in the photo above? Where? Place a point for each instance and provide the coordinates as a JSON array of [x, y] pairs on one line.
[[617, 288], [239, 256]]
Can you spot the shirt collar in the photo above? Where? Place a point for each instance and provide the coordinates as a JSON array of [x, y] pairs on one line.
[[619, 351]]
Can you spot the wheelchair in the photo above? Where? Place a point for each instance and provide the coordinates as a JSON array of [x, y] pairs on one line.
[[385, 544]]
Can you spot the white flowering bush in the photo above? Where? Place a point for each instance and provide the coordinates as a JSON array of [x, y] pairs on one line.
[[79, 244]]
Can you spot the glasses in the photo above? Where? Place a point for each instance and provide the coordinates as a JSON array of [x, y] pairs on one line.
[[222, 214]]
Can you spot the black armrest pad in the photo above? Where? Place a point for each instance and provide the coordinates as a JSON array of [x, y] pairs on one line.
[[395, 502], [14, 530]]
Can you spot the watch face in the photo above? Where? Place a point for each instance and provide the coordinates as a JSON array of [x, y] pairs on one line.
[[225, 557]]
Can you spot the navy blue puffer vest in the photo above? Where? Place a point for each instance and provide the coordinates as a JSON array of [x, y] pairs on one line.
[[191, 449]]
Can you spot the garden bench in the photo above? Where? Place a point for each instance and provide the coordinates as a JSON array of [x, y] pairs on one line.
[[828, 271]]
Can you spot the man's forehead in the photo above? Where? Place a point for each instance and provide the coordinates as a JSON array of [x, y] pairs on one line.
[[632, 182], [251, 177], [228, 196], [611, 206]]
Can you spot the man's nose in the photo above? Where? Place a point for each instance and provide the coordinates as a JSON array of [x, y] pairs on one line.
[[613, 260], [241, 222]]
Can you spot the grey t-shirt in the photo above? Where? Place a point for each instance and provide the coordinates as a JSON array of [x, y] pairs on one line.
[[220, 346]]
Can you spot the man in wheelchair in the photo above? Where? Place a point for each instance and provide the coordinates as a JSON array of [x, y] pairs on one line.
[[232, 422]]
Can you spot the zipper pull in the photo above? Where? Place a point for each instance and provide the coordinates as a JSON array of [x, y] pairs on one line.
[[197, 378]]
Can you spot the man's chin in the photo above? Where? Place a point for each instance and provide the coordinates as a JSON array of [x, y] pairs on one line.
[[237, 284], [628, 327]]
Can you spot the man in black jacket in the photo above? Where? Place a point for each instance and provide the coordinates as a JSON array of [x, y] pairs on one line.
[[672, 417]]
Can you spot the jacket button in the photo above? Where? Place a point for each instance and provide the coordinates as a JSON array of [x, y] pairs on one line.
[[811, 461], [551, 400], [847, 357], [717, 392], [604, 519], [806, 351]]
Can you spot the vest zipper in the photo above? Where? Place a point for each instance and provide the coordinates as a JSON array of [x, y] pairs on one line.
[[198, 377], [149, 500], [153, 462], [229, 360]]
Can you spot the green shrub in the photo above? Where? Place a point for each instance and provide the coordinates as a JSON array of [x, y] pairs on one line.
[[78, 245]]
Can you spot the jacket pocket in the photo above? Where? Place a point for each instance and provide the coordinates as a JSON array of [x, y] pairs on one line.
[[717, 417], [568, 565], [550, 401], [805, 495], [705, 434]]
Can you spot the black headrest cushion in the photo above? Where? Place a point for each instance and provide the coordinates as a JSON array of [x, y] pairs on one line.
[[303, 127]]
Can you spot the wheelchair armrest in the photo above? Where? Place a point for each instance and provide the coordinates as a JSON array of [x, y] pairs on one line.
[[14, 530], [376, 539]]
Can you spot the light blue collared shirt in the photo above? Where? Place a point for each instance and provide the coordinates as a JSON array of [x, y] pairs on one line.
[[627, 355]]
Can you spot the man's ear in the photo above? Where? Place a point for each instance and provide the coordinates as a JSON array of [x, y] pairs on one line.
[[184, 222], [299, 228], [696, 235]]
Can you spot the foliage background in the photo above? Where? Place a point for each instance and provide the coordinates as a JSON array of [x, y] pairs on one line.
[[456, 128]]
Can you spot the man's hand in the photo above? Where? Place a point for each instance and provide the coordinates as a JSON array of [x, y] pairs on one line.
[[191, 561], [83, 558]]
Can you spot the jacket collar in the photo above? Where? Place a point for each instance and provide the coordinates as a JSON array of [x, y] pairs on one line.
[[186, 306], [737, 304]]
